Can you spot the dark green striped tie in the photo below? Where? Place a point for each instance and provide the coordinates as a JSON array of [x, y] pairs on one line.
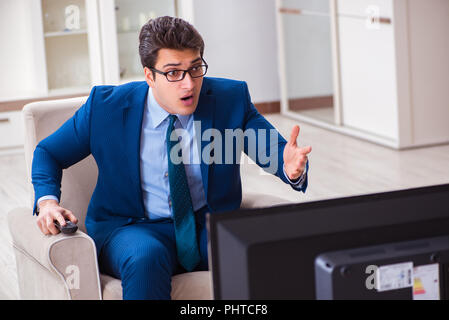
[[183, 214]]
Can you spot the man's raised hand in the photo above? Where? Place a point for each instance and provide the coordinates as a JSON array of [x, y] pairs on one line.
[[295, 158]]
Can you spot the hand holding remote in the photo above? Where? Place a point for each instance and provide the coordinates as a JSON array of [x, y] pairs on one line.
[[68, 228], [49, 212]]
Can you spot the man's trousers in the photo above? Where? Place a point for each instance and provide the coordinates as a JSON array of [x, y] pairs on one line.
[[143, 255]]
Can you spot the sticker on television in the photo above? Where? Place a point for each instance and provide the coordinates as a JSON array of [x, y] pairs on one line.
[[426, 282], [394, 276]]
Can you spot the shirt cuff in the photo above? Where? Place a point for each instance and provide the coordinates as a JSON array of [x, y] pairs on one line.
[[49, 197], [300, 181]]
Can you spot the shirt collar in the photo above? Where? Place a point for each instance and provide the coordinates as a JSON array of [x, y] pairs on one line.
[[159, 114]]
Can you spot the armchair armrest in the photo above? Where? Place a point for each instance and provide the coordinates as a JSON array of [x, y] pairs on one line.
[[51, 265]]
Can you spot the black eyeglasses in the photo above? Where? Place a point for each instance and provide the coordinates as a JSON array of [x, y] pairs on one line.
[[178, 75]]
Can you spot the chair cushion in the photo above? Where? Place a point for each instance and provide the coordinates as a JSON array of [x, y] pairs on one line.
[[185, 286], [111, 287], [192, 286]]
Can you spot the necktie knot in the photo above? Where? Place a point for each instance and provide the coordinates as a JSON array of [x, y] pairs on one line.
[[172, 118], [171, 126]]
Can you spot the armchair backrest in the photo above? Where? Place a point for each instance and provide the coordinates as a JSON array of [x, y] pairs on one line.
[[78, 182]]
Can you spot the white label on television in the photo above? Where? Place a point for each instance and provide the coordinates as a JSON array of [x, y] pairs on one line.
[[426, 283], [394, 276]]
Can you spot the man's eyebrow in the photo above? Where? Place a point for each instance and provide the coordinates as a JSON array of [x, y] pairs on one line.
[[171, 65], [197, 59], [178, 64]]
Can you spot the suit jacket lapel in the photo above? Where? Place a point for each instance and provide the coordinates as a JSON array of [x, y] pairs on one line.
[[205, 114], [132, 126]]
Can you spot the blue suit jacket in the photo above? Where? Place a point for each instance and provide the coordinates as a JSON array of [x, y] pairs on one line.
[[108, 126]]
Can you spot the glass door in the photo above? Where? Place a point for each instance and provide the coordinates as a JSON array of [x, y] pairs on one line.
[[130, 16], [66, 46], [306, 52]]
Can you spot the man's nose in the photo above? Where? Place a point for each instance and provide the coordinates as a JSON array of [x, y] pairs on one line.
[[187, 82]]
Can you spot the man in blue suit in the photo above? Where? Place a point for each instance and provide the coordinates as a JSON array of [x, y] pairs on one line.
[[162, 161]]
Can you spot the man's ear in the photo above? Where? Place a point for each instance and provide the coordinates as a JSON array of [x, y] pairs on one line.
[[149, 76]]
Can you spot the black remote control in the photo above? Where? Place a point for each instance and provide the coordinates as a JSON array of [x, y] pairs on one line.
[[70, 227]]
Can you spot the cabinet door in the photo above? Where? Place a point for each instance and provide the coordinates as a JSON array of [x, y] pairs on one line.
[[130, 17], [11, 129], [22, 65], [368, 77], [66, 41], [306, 53]]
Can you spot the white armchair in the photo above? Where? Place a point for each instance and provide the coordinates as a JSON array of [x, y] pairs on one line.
[[65, 266]]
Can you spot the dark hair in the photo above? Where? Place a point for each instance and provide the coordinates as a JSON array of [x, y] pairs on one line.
[[169, 33]]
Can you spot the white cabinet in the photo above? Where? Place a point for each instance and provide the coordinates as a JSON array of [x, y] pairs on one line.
[[130, 17], [55, 40], [66, 43], [11, 133], [120, 24], [22, 58], [391, 71], [61, 48], [368, 77], [394, 73]]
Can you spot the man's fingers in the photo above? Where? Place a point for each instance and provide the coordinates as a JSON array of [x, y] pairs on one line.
[[42, 225], [294, 135], [58, 216], [69, 215], [50, 214], [50, 225], [301, 159]]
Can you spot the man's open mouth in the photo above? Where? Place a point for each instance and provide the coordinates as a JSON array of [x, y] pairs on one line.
[[187, 97]]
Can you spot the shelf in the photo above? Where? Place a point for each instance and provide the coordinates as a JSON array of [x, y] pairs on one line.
[[64, 33], [68, 64]]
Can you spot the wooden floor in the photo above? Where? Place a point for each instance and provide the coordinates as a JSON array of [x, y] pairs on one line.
[[339, 166], [13, 193], [325, 114], [342, 166]]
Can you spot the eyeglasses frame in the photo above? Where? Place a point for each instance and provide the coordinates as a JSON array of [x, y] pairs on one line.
[[183, 74]]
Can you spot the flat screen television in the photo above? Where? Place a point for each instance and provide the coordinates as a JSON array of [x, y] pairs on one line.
[[281, 252]]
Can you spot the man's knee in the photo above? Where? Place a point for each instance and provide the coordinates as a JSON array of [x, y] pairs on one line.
[[151, 258]]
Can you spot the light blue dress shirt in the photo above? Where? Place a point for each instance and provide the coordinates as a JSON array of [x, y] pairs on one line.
[[154, 163]]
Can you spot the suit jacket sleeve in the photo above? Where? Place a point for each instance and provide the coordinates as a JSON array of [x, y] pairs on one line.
[[65, 147], [269, 147]]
